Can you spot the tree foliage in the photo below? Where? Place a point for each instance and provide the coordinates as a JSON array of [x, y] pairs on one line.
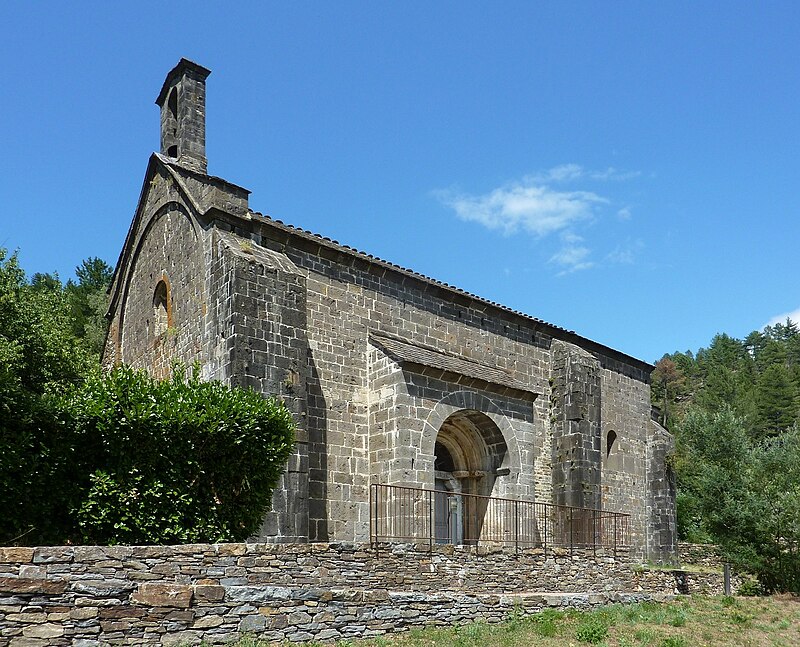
[[758, 377], [745, 493], [118, 457], [734, 410]]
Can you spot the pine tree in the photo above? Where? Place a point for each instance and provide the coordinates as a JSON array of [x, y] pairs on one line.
[[776, 403]]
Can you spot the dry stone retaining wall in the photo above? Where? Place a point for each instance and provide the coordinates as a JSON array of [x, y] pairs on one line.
[[702, 555], [88, 596]]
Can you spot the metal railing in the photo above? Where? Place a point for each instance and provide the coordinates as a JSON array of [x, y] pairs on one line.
[[406, 514]]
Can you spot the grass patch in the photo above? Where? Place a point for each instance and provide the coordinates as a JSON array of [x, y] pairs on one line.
[[687, 622]]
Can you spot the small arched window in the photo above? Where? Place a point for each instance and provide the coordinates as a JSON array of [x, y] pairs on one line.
[[611, 438], [161, 310]]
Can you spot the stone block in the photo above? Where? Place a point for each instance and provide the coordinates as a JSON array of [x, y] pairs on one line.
[[182, 638], [25, 585], [28, 617], [47, 630], [257, 593], [34, 572], [24, 641], [121, 611], [52, 554], [163, 595], [209, 593], [85, 554], [103, 588], [83, 613], [252, 623], [15, 555], [207, 622], [230, 549]]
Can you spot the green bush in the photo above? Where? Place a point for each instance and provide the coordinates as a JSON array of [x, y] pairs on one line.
[[592, 630], [750, 588], [173, 461]]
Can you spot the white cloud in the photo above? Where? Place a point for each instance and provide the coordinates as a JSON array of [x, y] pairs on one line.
[[527, 205], [781, 319], [612, 173], [539, 205], [563, 173], [572, 172], [573, 255], [625, 254]]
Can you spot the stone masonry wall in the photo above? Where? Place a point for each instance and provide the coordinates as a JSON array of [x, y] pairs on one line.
[[624, 411], [86, 596], [359, 403], [295, 318], [661, 497], [702, 555], [257, 338], [575, 411], [169, 248]]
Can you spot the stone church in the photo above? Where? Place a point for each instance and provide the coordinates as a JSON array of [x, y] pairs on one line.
[[402, 387]]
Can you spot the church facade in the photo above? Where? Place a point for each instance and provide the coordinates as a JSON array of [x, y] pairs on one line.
[[393, 378]]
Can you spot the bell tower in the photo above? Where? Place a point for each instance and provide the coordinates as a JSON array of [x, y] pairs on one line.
[[183, 115]]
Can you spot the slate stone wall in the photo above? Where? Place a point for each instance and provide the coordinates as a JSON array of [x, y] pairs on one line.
[[575, 418], [661, 493], [297, 323], [351, 412], [370, 418], [703, 555], [256, 335], [86, 596], [296, 317], [170, 248], [625, 411]]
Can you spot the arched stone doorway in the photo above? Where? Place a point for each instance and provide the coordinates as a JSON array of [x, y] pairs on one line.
[[469, 451]]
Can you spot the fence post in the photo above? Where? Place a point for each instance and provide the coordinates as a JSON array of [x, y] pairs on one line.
[[373, 530], [546, 515], [431, 518], [571, 524], [727, 576], [594, 532], [516, 526]]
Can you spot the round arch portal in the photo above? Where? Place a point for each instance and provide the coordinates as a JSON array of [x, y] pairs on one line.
[[469, 449]]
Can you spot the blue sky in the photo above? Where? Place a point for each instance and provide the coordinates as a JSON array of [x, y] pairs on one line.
[[626, 170]]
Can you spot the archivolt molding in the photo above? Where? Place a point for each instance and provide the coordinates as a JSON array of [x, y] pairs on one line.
[[471, 400]]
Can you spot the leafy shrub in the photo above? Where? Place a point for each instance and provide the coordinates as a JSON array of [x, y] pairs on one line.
[[750, 588], [173, 461], [591, 630]]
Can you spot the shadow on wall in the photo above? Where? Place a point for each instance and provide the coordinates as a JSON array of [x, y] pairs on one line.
[[317, 456]]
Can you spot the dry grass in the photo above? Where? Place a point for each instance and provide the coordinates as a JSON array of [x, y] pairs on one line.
[[687, 622]]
